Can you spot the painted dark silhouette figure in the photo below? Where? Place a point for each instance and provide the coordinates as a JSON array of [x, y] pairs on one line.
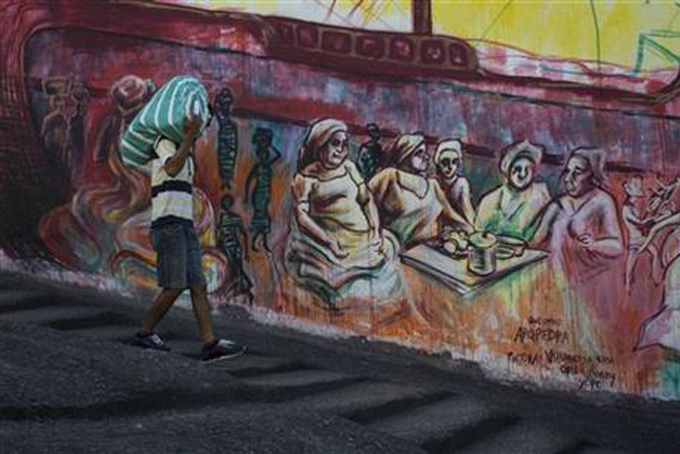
[[261, 176], [227, 137], [76, 128], [55, 127], [370, 153], [229, 229]]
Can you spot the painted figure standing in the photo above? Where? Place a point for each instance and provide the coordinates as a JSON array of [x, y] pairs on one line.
[[227, 137], [261, 176], [633, 215], [370, 153], [229, 229]]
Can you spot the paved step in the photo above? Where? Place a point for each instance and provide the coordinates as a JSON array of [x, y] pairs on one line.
[[51, 314], [98, 319], [397, 406], [249, 365], [523, 438], [444, 421], [601, 450], [116, 332], [288, 385], [360, 399], [21, 300], [190, 347]]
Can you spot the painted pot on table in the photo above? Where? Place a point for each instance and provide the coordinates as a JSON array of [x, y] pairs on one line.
[[482, 253]]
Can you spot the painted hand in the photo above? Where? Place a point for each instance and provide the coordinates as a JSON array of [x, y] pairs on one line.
[[337, 249], [586, 240]]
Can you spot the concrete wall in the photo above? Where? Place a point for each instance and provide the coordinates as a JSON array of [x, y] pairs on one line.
[[561, 312]]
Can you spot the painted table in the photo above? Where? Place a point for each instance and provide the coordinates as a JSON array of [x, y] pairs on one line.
[[454, 273]]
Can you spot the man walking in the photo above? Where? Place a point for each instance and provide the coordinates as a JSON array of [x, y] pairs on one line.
[[177, 247]]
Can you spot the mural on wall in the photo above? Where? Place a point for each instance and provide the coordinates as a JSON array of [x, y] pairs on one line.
[[513, 204]]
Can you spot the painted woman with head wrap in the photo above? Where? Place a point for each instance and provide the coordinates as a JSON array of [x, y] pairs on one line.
[[510, 208], [411, 205], [581, 227], [336, 247]]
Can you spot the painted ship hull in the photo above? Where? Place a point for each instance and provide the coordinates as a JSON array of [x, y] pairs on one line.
[[292, 72]]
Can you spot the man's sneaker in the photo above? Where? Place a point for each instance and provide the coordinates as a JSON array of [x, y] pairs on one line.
[[221, 349], [152, 341]]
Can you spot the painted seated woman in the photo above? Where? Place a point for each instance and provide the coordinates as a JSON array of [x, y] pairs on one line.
[[511, 208], [581, 227], [449, 159], [411, 205], [336, 247]]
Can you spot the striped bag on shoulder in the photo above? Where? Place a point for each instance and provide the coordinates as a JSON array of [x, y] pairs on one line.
[[163, 115]]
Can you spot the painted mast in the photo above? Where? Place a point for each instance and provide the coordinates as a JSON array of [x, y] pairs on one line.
[[421, 13]]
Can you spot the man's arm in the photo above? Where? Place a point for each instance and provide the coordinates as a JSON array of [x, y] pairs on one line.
[[176, 162]]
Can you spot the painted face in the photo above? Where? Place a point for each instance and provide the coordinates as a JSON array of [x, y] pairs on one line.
[[576, 176], [449, 162], [263, 139], [521, 173], [420, 159], [223, 105], [373, 132], [335, 151]]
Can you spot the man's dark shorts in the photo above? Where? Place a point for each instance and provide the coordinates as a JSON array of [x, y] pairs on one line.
[[179, 256]]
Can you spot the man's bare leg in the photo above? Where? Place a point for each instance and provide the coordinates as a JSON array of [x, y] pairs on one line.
[[199, 301], [162, 303]]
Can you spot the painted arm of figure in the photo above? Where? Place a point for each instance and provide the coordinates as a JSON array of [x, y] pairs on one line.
[[381, 183], [301, 188], [370, 209], [673, 219], [365, 200], [544, 221], [610, 244], [249, 181], [244, 234], [466, 202], [175, 163], [360, 159], [637, 220], [276, 157], [449, 213], [218, 231]]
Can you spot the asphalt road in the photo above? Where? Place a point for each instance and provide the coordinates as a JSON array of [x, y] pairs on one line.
[[70, 382]]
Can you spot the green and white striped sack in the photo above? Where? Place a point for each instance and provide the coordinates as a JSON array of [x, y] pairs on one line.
[[164, 115]]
